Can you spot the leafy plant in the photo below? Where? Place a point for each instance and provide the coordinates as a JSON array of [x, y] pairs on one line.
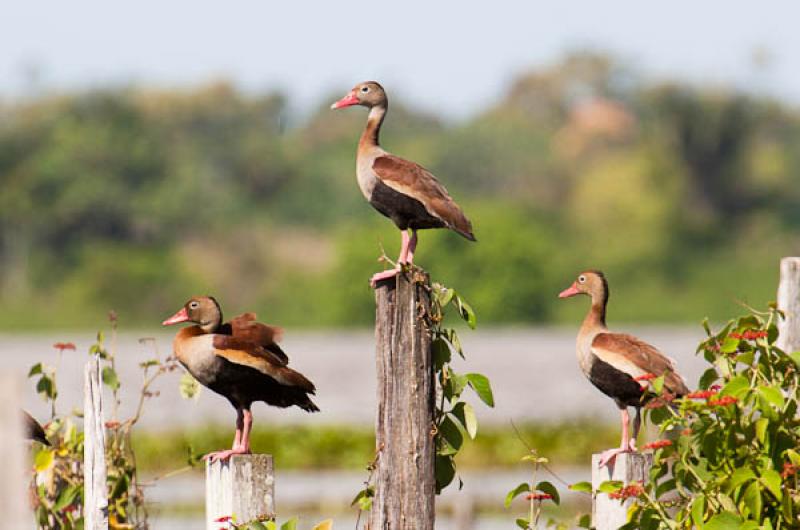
[[229, 523], [454, 418], [730, 456], [536, 493], [57, 485]]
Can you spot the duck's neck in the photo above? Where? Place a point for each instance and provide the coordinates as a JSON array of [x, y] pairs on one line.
[[212, 326], [370, 136], [596, 317]]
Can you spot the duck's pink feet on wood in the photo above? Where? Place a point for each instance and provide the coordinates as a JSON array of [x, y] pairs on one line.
[[632, 445], [226, 454], [383, 275], [609, 455]]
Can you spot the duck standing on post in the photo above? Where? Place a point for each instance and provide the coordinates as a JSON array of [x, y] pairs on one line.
[[239, 360], [403, 191], [618, 364]]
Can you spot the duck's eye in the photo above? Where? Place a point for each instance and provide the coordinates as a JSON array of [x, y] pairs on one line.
[[582, 279], [194, 305], [364, 89]]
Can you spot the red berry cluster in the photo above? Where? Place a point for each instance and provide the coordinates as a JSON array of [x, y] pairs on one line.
[[658, 444], [702, 394], [789, 470], [645, 377], [539, 496], [634, 489], [724, 401], [64, 346], [749, 334]]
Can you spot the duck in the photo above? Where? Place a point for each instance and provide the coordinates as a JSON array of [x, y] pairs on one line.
[[618, 364], [401, 190], [241, 361], [33, 429]]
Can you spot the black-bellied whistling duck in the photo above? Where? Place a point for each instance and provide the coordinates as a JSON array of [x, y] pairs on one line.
[[618, 364], [240, 361], [33, 430], [403, 191]]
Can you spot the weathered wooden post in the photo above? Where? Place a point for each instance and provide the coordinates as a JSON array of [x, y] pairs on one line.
[[12, 487], [95, 502], [789, 303], [242, 487], [607, 513], [404, 476]]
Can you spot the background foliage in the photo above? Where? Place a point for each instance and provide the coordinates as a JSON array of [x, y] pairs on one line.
[[136, 198]]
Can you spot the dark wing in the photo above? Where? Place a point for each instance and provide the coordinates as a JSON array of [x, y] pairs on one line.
[[259, 358], [33, 430], [415, 181], [635, 357]]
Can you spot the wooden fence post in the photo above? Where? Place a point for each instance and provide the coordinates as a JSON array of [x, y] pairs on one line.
[[243, 487], [13, 512], [404, 476], [789, 303], [607, 513], [95, 502]]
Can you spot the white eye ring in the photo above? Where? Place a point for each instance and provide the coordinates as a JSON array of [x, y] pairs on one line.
[[194, 305], [365, 89], [582, 279]]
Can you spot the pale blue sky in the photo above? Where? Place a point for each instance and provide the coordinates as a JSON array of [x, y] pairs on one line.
[[448, 56]]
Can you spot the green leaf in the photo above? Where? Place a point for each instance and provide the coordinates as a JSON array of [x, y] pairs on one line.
[[189, 387], [451, 435], [466, 415], [364, 499], [729, 345], [441, 353], [581, 486], [444, 470], [658, 384], [772, 395], [699, 510], [45, 387], [610, 486], [110, 378], [523, 523], [752, 499], [723, 521], [772, 480], [736, 386], [291, 524], [443, 295], [35, 369], [546, 487], [480, 384], [585, 521], [708, 377], [66, 497], [740, 476], [522, 488], [44, 459], [466, 312], [761, 430], [256, 525]]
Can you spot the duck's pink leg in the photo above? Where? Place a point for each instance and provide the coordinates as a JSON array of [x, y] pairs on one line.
[[241, 441], [608, 456], [412, 246], [391, 273]]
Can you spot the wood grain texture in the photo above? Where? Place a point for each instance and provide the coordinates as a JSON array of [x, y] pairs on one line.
[[13, 498], [95, 501], [607, 513], [404, 477], [242, 487], [789, 303]]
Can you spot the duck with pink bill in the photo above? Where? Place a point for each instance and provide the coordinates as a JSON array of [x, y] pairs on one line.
[[402, 190], [241, 361], [619, 365]]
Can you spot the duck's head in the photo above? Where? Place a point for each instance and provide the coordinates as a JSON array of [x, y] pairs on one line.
[[367, 94], [201, 310], [592, 283]]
